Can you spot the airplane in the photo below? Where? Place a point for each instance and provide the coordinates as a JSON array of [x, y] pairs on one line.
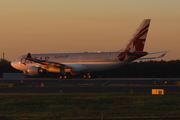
[[67, 64]]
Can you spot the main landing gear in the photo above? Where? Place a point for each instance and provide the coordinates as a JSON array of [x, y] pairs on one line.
[[88, 75]]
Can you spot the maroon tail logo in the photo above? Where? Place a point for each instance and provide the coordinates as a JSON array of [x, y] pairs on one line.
[[136, 44]]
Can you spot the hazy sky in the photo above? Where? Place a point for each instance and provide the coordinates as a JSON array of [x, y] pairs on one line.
[[62, 26]]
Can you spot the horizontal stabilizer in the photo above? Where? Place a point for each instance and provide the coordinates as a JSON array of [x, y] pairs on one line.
[[162, 55], [158, 52], [140, 54], [136, 55]]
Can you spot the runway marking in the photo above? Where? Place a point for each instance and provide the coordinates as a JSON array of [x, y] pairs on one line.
[[106, 82]]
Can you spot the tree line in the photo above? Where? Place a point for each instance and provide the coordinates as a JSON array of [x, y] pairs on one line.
[[145, 69], [5, 67], [141, 69]]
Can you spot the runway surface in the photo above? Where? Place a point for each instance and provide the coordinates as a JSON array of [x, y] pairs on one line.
[[98, 85], [100, 89], [93, 79]]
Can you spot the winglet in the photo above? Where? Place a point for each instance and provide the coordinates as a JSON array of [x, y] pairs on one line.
[[29, 55]]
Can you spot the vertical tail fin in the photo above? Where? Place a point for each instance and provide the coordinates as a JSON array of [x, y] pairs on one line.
[[137, 41]]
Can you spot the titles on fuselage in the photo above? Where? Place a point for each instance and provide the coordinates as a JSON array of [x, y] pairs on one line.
[[61, 56], [24, 61]]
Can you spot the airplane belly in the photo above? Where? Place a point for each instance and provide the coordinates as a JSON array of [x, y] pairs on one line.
[[104, 66]]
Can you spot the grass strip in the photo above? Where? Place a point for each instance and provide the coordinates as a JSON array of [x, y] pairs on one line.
[[89, 106]]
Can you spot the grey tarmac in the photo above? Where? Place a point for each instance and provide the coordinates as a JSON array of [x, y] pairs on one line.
[[98, 85], [87, 89]]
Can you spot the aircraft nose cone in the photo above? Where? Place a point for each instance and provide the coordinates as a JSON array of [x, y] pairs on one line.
[[12, 64]]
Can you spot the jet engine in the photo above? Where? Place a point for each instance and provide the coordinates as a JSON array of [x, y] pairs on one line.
[[35, 71]]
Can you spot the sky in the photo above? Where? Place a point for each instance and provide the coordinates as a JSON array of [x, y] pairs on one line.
[[68, 26]]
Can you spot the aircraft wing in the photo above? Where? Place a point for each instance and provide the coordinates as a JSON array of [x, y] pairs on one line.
[[45, 62], [162, 55]]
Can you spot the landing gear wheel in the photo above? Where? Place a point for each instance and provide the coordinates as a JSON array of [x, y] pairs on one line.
[[61, 77], [84, 76], [89, 76], [65, 77]]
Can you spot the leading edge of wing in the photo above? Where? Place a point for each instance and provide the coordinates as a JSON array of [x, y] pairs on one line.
[[162, 55], [45, 62]]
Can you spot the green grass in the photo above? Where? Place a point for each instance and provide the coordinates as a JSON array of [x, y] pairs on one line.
[[89, 106]]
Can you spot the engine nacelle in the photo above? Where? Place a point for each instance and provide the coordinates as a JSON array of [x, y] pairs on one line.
[[35, 71]]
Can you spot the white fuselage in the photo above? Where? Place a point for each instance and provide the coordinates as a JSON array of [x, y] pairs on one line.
[[78, 61]]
